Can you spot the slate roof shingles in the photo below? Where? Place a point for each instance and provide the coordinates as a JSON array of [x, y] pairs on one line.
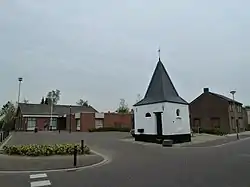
[[161, 88]]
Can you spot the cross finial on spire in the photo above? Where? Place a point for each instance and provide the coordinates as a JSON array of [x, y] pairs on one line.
[[159, 53]]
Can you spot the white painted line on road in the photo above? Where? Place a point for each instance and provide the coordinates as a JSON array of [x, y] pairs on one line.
[[244, 155], [5, 142], [232, 142], [40, 183], [36, 176]]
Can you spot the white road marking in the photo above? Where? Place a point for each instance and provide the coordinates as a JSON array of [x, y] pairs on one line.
[[36, 176], [244, 155], [40, 183], [232, 142]]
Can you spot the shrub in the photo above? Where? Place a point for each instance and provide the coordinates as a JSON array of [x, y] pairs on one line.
[[210, 131], [104, 129], [44, 150]]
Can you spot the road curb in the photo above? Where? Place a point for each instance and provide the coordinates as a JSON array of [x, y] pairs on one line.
[[105, 160]]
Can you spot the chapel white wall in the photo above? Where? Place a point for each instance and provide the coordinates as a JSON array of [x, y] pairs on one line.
[[171, 124]]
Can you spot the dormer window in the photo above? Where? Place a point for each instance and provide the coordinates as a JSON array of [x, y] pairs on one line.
[[147, 115]]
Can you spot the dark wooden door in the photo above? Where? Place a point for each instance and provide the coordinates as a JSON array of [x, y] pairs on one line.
[[197, 125], [158, 116]]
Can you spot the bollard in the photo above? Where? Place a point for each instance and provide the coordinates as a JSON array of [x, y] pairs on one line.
[[82, 146], [75, 156]]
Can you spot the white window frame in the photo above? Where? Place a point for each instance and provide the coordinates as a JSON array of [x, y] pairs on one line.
[[53, 126], [98, 123], [31, 124], [78, 124]]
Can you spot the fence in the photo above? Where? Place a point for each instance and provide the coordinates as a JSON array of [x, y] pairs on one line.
[[3, 135]]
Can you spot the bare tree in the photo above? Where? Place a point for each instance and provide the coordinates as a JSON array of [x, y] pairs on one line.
[[8, 114], [26, 101], [138, 97], [53, 96], [42, 101], [123, 107], [81, 102]]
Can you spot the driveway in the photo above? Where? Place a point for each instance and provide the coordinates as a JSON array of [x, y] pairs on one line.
[[146, 165]]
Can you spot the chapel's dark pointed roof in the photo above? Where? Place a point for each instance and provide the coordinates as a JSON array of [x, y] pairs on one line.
[[161, 88]]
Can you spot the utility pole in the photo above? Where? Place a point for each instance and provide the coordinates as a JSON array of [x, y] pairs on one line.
[[20, 79], [70, 119], [234, 111], [51, 111]]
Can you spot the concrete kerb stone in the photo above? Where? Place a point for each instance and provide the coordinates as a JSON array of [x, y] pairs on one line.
[[105, 160]]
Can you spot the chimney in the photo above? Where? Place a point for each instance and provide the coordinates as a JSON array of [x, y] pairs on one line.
[[205, 90]]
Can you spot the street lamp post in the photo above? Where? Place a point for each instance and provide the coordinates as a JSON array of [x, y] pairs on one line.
[[51, 112], [20, 79], [234, 111], [70, 119]]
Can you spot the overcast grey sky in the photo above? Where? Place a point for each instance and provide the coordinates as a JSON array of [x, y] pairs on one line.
[[102, 51]]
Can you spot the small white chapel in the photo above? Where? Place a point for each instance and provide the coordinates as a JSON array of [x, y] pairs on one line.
[[162, 113]]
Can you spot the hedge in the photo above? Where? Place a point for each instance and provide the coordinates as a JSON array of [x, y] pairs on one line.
[[44, 150], [105, 129]]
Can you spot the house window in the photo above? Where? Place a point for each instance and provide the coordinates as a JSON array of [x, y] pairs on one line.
[[31, 123], [178, 112], [148, 115], [196, 125], [231, 107], [78, 124], [53, 125], [239, 109]]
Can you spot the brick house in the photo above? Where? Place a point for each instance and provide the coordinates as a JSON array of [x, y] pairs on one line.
[[84, 121], [83, 118], [247, 115], [214, 112], [30, 116]]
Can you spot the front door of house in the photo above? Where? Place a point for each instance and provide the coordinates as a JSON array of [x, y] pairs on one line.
[[197, 125], [158, 116]]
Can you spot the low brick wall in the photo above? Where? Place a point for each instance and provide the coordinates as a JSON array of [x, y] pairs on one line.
[[117, 120]]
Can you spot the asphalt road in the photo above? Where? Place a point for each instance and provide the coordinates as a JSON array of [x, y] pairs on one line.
[[136, 165]]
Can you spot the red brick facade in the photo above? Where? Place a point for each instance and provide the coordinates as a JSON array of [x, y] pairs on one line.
[[87, 121], [117, 120], [41, 123]]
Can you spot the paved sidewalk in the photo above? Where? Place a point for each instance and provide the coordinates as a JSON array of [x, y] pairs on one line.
[[241, 133], [198, 140], [206, 140]]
